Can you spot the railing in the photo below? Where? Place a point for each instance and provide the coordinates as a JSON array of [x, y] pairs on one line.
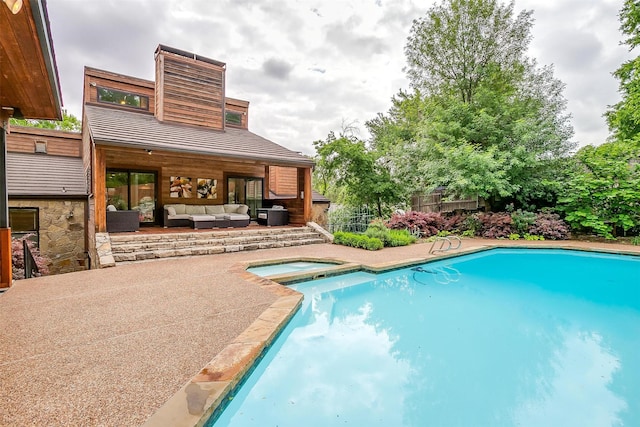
[[30, 266], [445, 244], [351, 219]]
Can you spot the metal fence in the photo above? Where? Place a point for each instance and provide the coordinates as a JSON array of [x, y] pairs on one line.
[[347, 218]]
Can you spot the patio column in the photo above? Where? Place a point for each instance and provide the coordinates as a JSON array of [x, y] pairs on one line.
[[100, 189], [308, 195], [5, 231]]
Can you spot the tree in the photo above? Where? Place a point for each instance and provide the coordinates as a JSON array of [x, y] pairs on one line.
[[69, 122], [454, 48], [484, 119], [603, 194], [351, 166], [624, 117]]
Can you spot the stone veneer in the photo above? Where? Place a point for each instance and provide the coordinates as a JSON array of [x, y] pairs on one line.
[[62, 238]]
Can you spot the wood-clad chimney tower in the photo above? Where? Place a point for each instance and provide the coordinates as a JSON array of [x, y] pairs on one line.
[[190, 89]]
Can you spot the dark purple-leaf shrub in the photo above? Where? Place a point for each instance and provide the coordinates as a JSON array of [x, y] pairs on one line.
[[455, 223], [550, 226], [429, 223], [495, 225]]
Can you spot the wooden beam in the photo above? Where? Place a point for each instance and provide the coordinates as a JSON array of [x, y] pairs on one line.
[[308, 195], [5, 258], [5, 231], [267, 187], [100, 189]]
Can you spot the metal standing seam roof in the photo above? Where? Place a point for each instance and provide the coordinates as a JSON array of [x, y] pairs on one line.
[[110, 126], [45, 175]]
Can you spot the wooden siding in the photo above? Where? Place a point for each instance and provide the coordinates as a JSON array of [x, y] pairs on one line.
[[283, 181], [59, 143], [94, 78], [167, 165], [300, 210], [28, 76], [189, 91]]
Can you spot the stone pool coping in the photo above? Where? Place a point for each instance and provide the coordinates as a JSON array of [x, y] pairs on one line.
[[205, 394], [197, 400]]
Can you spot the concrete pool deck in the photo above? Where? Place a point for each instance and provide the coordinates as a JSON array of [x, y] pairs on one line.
[[113, 347]]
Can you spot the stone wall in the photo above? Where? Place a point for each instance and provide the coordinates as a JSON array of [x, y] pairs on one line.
[[62, 233], [319, 213]]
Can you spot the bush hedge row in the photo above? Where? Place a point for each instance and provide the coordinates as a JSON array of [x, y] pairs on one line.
[[489, 225]]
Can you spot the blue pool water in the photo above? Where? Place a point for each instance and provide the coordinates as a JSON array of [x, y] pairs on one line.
[[498, 338], [288, 267]]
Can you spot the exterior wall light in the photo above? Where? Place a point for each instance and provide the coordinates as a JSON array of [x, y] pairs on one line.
[[13, 5]]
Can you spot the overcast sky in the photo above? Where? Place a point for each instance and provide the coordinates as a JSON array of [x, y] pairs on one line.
[[307, 67]]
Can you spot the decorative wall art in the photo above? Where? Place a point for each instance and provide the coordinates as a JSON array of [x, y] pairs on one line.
[[180, 187], [207, 188]]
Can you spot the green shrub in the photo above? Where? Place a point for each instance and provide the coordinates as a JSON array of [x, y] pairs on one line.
[[376, 233], [521, 221], [377, 230], [514, 236], [635, 241], [357, 241], [400, 238], [468, 233], [528, 236], [472, 225]]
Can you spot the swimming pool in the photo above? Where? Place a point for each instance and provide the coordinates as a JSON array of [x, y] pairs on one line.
[[498, 338], [288, 267]]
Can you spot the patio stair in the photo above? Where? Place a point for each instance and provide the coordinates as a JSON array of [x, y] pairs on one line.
[[134, 247]]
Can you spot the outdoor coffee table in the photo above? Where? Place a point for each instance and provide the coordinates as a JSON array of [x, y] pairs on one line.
[[208, 221]]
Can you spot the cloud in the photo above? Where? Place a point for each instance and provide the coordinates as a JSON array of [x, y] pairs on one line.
[[277, 68], [343, 37], [307, 66]]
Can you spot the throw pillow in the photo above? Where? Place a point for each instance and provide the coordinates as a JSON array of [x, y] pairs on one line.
[[171, 211], [243, 209]]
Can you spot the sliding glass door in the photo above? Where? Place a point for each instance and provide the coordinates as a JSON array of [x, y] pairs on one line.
[[133, 190], [247, 191]]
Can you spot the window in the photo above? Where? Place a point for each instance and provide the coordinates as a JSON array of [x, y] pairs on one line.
[[113, 96], [24, 222], [40, 147], [233, 118], [133, 190]]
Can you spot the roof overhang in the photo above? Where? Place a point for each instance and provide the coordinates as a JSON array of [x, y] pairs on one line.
[[29, 78], [263, 159], [116, 129]]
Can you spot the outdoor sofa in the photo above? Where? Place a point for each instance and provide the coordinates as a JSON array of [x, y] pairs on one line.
[[206, 216], [122, 221]]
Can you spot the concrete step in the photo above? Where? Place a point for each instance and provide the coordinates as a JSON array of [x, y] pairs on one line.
[[204, 235], [141, 255], [133, 247]]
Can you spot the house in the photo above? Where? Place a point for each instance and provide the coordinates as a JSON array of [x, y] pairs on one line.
[[144, 144], [29, 88], [47, 193], [150, 143]]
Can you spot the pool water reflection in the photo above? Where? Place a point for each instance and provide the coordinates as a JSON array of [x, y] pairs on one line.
[[517, 337]]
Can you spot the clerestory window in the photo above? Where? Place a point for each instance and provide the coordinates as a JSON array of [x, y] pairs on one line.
[[127, 99]]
